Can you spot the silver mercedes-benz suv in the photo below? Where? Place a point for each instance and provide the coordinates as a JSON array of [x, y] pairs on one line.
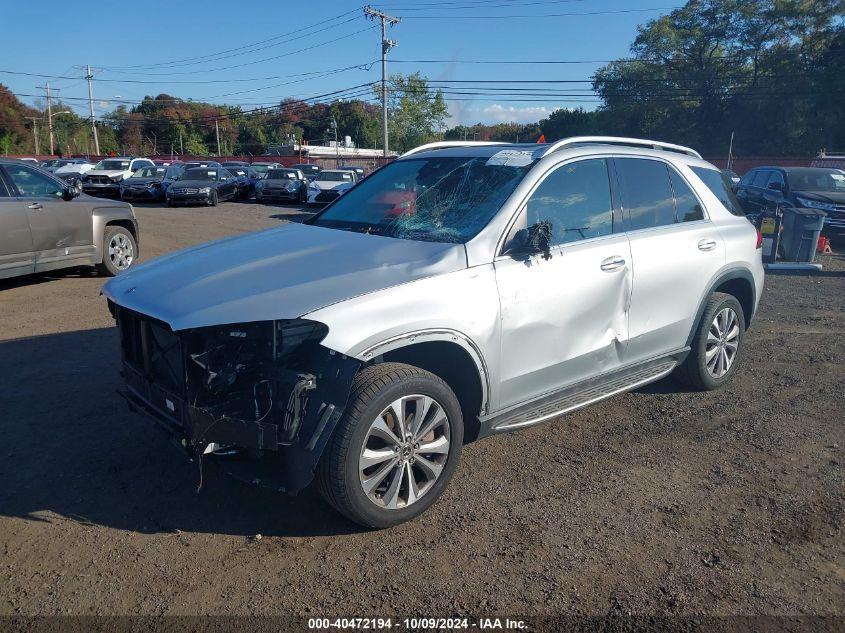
[[462, 290]]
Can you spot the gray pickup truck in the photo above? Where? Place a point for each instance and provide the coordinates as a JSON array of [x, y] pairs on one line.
[[46, 224]]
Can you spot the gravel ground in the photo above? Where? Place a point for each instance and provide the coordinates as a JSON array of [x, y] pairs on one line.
[[660, 501]]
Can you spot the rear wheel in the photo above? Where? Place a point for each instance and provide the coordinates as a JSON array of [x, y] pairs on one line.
[[395, 448], [716, 346], [119, 251]]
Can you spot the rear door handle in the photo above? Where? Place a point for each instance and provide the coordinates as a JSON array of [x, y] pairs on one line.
[[35, 205], [706, 244], [612, 263]]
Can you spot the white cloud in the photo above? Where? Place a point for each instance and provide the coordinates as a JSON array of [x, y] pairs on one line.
[[496, 113]]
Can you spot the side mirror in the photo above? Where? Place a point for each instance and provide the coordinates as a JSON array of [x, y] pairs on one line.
[[69, 193], [776, 186], [536, 238]]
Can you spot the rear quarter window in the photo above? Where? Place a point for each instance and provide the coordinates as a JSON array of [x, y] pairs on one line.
[[718, 184]]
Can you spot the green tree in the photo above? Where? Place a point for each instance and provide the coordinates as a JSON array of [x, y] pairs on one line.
[[416, 112]]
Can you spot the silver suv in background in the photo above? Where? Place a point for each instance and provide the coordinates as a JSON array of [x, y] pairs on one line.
[[45, 224], [462, 290]]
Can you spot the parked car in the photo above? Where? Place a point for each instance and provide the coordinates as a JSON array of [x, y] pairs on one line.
[[359, 171], [47, 164], [262, 167], [203, 163], [45, 224], [308, 169], [149, 183], [30, 160], [514, 284], [284, 184], [247, 177], [71, 171], [104, 179], [820, 188], [329, 185], [202, 185]]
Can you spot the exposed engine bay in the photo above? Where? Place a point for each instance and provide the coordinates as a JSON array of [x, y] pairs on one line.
[[265, 390]]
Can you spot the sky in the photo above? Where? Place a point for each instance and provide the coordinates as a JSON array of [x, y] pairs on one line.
[[258, 53]]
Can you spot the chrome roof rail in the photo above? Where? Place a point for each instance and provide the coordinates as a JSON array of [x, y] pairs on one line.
[[445, 144], [619, 140]]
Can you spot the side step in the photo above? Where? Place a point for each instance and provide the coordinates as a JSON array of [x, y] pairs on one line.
[[582, 394]]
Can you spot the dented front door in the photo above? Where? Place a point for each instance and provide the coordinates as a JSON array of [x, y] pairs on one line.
[[565, 314], [564, 319]]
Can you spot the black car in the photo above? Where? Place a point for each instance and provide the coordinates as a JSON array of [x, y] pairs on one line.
[[282, 184], [149, 183], [212, 164], [308, 169], [247, 178], [819, 188], [202, 185], [262, 167], [359, 171]]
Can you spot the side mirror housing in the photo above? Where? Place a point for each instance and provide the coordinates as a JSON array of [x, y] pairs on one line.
[[535, 239], [69, 193]]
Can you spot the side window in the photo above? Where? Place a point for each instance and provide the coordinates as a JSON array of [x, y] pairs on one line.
[[687, 205], [776, 176], [4, 192], [748, 178], [760, 178], [717, 183], [32, 184], [575, 198], [646, 194]]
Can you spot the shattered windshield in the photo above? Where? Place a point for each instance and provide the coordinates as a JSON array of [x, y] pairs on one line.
[[445, 199]]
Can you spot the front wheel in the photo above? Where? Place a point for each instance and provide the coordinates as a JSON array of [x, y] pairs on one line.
[[119, 251], [716, 345], [212, 199], [396, 447]]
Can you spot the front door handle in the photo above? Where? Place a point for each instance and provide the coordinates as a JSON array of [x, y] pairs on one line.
[[35, 205], [706, 244], [612, 263]]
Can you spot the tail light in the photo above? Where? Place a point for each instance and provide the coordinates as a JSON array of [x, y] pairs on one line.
[[759, 239]]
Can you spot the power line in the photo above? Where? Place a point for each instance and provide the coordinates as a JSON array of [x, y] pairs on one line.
[[568, 14], [231, 50]]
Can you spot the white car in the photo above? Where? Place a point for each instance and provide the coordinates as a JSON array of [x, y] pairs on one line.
[[330, 184], [465, 289], [104, 178], [73, 171]]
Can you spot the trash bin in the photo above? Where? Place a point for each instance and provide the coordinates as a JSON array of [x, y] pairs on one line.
[[801, 230]]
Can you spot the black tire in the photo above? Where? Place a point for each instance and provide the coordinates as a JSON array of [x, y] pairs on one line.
[[107, 267], [373, 389], [212, 199], [693, 371]]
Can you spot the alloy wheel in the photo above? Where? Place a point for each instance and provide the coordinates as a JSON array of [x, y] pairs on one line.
[[404, 451], [722, 342], [121, 252]]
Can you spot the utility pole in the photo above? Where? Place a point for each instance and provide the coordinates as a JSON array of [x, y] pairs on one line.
[[181, 149], [217, 132], [46, 88], [336, 146], [89, 77], [386, 45], [34, 120]]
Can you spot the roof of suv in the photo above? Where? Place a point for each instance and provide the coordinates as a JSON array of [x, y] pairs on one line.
[[577, 148]]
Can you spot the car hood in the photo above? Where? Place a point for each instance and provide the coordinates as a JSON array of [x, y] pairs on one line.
[[141, 181], [281, 273], [333, 184], [105, 172], [835, 197], [76, 168], [278, 184]]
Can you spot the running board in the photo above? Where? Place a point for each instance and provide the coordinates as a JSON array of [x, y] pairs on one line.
[[582, 394]]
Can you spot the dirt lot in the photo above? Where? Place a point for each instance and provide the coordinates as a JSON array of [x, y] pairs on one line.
[[656, 502]]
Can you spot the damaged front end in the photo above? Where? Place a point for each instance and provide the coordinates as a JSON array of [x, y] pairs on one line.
[[266, 392]]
